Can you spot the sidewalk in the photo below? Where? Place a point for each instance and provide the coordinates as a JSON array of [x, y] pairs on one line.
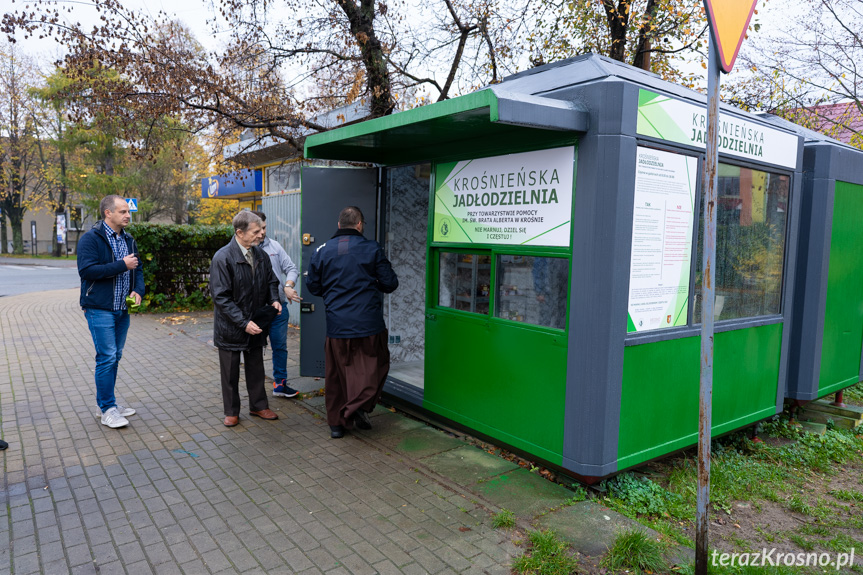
[[177, 492], [54, 263]]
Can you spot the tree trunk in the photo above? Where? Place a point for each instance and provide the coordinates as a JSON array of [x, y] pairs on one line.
[[361, 19], [4, 249], [16, 217], [618, 24]]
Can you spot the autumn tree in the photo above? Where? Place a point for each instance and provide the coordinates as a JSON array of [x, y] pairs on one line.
[[21, 182], [56, 147], [649, 34], [284, 62]]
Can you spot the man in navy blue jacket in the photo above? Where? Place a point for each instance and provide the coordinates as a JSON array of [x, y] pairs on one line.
[[352, 273], [110, 270]]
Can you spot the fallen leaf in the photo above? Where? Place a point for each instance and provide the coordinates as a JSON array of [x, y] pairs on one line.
[[463, 529]]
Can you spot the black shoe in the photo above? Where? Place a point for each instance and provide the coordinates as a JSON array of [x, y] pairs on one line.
[[361, 420], [337, 431], [3, 445]]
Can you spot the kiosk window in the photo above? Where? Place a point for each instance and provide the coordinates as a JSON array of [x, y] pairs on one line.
[[750, 243], [532, 289], [464, 282]]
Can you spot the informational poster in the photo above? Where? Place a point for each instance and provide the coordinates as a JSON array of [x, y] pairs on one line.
[[662, 223], [517, 199], [677, 121], [61, 228]]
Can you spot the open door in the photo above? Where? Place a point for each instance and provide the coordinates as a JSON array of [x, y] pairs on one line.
[[325, 192]]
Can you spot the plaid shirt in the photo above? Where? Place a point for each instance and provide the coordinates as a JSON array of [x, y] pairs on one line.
[[121, 250]]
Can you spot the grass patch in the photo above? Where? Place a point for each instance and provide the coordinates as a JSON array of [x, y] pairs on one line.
[[841, 543], [505, 519], [643, 496], [801, 542], [547, 555], [844, 495], [854, 394], [633, 551], [821, 530], [799, 505]]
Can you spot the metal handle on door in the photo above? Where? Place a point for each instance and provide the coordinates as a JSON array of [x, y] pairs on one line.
[[308, 239]]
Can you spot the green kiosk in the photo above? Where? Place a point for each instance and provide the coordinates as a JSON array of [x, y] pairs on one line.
[[546, 233], [827, 335]]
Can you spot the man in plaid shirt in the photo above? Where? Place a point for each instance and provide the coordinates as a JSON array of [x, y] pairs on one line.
[[110, 270]]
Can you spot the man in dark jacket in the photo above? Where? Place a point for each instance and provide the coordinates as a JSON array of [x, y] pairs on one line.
[[243, 285], [109, 269], [352, 273]]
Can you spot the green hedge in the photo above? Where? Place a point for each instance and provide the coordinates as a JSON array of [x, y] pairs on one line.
[[177, 263]]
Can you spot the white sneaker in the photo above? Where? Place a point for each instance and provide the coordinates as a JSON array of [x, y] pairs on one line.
[[113, 419], [125, 411]]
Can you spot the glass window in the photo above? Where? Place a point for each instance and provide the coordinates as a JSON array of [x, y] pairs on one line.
[[464, 282], [532, 289], [750, 243], [283, 177]]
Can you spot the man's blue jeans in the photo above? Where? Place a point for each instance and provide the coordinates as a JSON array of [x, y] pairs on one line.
[[108, 329], [279, 343]]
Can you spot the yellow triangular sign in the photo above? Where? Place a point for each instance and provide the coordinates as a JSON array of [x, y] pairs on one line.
[[729, 20]]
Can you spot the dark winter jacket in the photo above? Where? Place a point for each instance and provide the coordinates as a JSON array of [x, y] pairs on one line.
[[99, 270], [352, 274], [236, 295]]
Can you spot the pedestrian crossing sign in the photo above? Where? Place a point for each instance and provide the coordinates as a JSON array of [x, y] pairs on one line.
[[133, 204]]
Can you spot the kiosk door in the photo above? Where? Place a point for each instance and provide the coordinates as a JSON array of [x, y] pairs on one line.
[[325, 192]]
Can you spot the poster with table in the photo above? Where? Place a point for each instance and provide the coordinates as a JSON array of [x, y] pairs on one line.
[[662, 226]]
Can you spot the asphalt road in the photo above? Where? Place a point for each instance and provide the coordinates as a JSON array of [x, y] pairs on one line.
[[25, 278]]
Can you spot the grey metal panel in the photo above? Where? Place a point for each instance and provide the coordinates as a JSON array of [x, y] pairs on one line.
[[283, 225], [789, 284], [536, 112], [665, 334], [811, 285], [404, 391], [602, 229], [326, 191], [837, 162]]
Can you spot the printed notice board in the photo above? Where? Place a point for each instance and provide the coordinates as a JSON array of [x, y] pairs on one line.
[[661, 239], [523, 199]]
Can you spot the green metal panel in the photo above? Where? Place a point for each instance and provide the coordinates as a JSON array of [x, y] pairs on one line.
[[463, 127], [843, 316], [659, 404], [500, 378]]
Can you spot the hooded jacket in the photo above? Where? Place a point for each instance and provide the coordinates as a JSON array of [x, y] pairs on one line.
[[98, 269], [237, 294], [351, 273]]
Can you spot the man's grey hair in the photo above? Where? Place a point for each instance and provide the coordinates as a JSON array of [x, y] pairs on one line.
[[109, 203], [244, 219]]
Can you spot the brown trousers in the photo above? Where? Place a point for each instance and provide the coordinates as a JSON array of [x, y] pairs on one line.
[[229, 366], [356, 369]]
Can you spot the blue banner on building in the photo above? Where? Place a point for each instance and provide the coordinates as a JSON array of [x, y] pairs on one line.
[[232, 184]]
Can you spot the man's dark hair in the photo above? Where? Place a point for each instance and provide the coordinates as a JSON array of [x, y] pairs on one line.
[[261, 215], [108, 203], [350, 217], [244, 219]]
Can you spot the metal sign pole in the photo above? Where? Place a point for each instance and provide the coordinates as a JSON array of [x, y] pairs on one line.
[[705, 402]]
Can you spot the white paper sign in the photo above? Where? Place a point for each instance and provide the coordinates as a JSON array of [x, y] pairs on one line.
[[662, 219]]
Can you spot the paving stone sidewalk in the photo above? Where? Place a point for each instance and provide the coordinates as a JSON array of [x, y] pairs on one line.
[[177, 492]]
